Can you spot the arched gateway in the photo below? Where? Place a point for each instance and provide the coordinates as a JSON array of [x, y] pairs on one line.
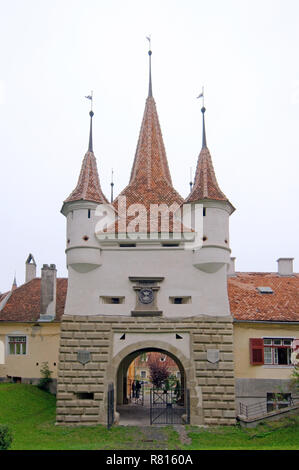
[[145, 282], [153, 400]]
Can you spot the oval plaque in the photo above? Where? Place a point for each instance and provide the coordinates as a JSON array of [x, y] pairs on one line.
[[146, 296]]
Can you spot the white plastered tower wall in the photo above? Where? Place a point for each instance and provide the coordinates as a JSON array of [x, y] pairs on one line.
[[107, 332]]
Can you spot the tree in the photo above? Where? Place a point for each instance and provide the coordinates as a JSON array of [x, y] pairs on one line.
[[159, 371], [46, 377]]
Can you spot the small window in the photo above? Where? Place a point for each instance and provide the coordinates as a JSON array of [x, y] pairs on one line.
[[170, 245], [162, 358], [143, 374], [88, 214], [276, 401], [17, 345], [127, 245], [85, 396], [112, 300], [180, 300], [204, 211], [277, 351]]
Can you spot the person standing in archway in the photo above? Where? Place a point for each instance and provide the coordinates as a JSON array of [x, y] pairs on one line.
[[133, 389], [138, 387]]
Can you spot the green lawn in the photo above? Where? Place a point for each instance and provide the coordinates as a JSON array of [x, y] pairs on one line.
[[30, 413]]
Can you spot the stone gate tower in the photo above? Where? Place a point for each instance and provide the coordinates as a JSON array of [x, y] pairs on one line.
[[148, 292]]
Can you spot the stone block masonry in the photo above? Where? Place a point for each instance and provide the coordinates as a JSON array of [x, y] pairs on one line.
[[82, 388]]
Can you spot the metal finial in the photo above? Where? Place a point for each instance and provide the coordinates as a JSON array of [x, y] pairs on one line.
[[91, 114], [191, 181], [204, 139], [150, 90], [112, 184], [203, 110]]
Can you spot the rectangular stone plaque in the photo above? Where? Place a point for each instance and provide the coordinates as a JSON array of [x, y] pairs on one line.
[[213, 355], [83, 357]]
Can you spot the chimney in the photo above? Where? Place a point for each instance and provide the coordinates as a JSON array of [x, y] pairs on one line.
[[231, 268], [48, 293], [285, 266], [30, 268]]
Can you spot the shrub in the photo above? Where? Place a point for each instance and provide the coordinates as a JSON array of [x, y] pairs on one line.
[[5, 437], [46, 377]]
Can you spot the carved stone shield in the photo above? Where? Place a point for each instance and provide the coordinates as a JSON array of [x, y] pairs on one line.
[[213, 355], [146, 296], [83, 357]]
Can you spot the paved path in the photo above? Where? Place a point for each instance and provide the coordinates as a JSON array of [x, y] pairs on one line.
[[134, 415], [149, 437]]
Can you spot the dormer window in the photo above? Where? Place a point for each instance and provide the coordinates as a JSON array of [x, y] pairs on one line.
[[265, 290]]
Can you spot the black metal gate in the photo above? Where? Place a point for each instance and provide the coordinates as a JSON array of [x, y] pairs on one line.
[[167, 407], [110, 406], [136, 392]]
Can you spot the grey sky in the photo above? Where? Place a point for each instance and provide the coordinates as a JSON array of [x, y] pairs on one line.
[[53, 53]]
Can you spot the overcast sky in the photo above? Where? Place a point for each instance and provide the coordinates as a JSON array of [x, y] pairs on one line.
[[53, 53]]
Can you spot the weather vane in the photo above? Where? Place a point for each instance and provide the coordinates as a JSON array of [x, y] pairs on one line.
[[203, 97], [149, 40], [89, 97]]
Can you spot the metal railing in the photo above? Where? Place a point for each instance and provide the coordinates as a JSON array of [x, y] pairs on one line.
[[110, 407], [254, 410]]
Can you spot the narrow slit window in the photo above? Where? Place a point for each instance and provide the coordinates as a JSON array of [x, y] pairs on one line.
[[178, 300], [127, 245], [85, 396], [105, 299], [204, 211], [89, 213]]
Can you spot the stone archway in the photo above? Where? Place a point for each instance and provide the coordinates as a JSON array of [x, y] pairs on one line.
[[120, 365]]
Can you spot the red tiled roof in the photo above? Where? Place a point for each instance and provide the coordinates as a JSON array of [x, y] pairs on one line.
[[2, 296], [150, 181], [150, 162], [205, 182], [24, 303], [247, 303], [88, 187]]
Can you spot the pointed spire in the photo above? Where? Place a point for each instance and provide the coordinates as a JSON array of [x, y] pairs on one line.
[[205, 183], [14, 284], [88, 187], [150, 180]]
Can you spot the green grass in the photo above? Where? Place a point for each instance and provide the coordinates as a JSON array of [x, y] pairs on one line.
[[30, 413], [274, 435]]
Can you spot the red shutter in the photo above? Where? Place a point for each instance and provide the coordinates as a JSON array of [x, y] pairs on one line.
[[256, 351]]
